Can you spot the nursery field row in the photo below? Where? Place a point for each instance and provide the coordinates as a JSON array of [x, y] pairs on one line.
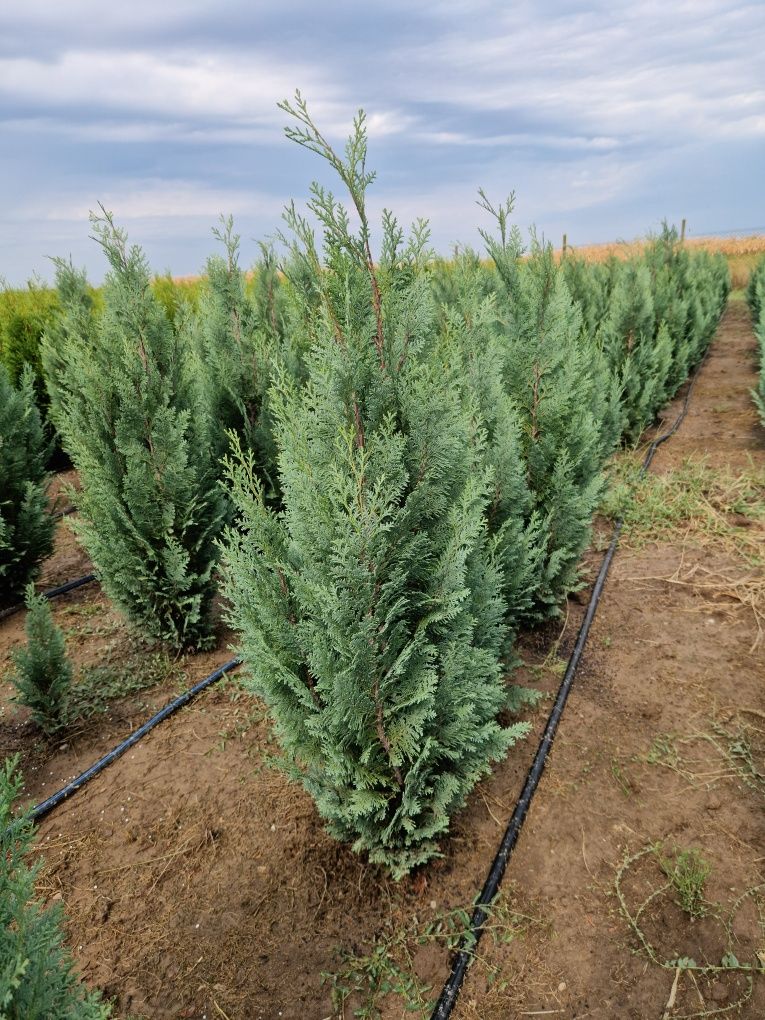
[[602, 800], [377, 474]]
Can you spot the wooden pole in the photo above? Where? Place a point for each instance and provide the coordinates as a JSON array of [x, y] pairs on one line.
[[565, 245], [682, 231]]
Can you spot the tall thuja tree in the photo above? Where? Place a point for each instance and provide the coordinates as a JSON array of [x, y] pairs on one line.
[[236, 337], [369, 607], [75, 324], [474, 348], [640, 355], [756, 298], [668, 264], [589, 285], [151, 508], [567, 402], [26, 525]]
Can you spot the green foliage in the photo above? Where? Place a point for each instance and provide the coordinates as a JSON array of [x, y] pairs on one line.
[[175, 295], [24, 317], [370, 606], [687, 871], [236, 336], [75, 323], [129, 413], [26, 526], [43, 673], [756, 298], [568, 405], [37, 980], [662, 311], [474, 350]]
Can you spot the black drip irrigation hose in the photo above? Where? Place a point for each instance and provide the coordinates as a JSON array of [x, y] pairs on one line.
[[472, 936], [46, 806], [64, 513], [52, 593]]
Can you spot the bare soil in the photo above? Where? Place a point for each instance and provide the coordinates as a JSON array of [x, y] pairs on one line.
[[199, 883]]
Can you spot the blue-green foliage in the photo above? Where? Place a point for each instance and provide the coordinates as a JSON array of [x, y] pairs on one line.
[[127, 408], [370, 606], [26, 526], [652, 317], [551, 406], [474, 349], [37, 980], [43, 674], [568, 403], [236, 335], [756, 297]]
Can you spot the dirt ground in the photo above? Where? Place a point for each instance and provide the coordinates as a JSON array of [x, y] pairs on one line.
[[199, 883]]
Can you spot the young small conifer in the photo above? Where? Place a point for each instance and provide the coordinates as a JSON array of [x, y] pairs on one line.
[[37, 979], [370, 608], [26, 526], [127, 407], [43, 673]]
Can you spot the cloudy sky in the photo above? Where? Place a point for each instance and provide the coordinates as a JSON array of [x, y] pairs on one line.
[[603, 117]]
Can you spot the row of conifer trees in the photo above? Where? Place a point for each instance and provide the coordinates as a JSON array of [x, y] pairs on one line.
[[392, 461], [756, 298]]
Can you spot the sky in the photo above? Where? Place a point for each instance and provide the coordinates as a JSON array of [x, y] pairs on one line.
[[602, 118]]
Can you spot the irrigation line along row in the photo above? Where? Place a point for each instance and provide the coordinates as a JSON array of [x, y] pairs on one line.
[[472, 936], [52, 593], [61, 795]]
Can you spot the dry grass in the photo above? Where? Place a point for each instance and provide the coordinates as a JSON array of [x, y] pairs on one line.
[[699, 507]]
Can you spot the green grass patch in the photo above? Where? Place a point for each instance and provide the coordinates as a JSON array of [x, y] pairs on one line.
[[700, 501]]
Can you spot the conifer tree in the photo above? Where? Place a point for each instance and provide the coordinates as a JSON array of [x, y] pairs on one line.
[[74, 324], [236, 334], [474, 350], [37, 980], [568, 404], [588, 284], [26, 526], [626, 336], [43, 673], [126, 406], [369, 607], [756, 299]]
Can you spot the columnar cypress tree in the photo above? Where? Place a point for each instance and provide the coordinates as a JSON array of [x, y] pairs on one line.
[[756, 298], [474, 348], [74, 324], [37, 981], [236, 341], [26, 526], [369, 607], [150, 504], [663, 309], [588, 284], [626, 336], [567, 401]]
